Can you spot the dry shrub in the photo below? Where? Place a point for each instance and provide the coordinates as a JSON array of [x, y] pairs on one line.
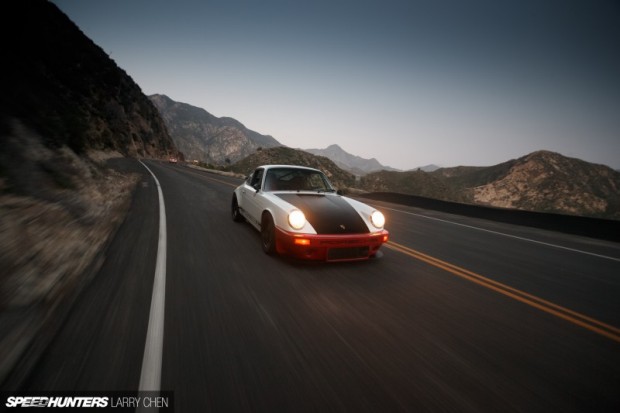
[[57, 212]]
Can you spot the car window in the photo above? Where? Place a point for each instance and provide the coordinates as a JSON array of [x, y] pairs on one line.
[[256, 179], [295, 179]]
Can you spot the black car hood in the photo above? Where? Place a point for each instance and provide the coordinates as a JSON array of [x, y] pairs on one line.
[[328, 214]]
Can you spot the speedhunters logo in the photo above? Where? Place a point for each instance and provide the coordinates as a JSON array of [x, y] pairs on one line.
[[34, 401], [89, 401]]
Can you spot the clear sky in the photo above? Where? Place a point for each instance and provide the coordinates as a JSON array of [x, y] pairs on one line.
[[409, 82]]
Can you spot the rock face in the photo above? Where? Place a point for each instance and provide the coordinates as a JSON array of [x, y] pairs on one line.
[[549, 182], [65, 87], [207, 138]]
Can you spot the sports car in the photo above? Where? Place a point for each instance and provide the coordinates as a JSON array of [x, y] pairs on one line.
[[299, 213]]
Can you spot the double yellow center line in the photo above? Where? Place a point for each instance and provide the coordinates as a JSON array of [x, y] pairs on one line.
[[571, 316]]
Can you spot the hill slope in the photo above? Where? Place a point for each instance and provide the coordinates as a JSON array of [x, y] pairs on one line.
[[57, 81], [542, 181], [206, 138], [417, 183], [65, 109], [549, 182]]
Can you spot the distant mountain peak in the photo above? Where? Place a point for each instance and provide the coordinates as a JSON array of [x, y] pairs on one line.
[[428, 168], [351, 163]]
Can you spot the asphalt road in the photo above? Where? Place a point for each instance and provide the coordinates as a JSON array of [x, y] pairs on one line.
[[458, 314]]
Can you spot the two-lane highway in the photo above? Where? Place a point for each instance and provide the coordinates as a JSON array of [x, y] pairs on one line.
[[457, 315]]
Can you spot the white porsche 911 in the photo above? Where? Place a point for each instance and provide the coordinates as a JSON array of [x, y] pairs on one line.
[[298, 212]]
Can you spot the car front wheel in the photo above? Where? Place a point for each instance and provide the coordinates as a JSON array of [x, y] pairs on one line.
[[268, 234], [236, 214]]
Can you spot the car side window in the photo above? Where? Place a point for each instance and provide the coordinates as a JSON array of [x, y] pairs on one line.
[[257, 178]]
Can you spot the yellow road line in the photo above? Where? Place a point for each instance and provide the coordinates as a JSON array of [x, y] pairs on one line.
[[574, 317]]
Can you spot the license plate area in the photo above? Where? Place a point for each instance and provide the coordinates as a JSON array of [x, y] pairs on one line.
[[348, 253]]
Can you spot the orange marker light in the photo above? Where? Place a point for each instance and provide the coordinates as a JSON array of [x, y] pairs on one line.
[[302, 241]]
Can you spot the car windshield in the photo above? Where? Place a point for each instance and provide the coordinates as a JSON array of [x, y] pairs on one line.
[[295, 179]]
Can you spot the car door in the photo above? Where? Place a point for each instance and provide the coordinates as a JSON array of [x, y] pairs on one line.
[[250, 199]]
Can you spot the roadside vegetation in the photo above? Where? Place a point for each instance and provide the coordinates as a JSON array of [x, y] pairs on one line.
[[58, 210]]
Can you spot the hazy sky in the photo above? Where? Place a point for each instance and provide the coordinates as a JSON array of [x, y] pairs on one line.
[[448, 82]]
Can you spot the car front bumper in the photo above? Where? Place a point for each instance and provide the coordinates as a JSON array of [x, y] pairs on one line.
[[348, 247]]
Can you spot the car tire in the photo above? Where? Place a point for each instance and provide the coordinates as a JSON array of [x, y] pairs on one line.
[[268, 234], [236, 214]]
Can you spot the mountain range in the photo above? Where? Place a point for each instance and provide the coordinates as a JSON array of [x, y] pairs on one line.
[[204, 137], [541, 181]]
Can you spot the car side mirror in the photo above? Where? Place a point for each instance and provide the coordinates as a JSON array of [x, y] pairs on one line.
[[256, 187], [340, 192]]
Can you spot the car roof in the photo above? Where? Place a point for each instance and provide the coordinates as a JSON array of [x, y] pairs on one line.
[[288, 166]]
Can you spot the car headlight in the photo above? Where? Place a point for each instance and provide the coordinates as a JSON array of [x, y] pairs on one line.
[[377, 219], [297, 219]]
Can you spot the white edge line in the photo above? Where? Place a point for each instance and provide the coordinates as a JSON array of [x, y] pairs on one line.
[[507, 235], [150, 376]]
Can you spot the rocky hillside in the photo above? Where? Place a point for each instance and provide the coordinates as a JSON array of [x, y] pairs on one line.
[[206, 138], [65, 87], [287, 156], [541, 181], [549, 182], [351, 163], [66, 109]]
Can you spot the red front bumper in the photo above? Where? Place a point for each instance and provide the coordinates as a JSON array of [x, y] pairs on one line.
[[347, 247]]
